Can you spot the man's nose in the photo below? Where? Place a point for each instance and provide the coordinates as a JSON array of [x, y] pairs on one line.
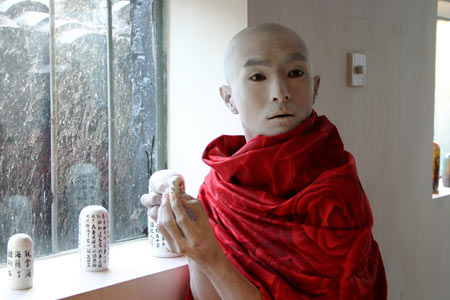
[[280, 91]]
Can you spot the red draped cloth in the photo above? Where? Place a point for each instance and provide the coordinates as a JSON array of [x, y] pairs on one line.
[[291, 215]]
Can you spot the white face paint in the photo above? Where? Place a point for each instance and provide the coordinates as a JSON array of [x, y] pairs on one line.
[[271, 85]]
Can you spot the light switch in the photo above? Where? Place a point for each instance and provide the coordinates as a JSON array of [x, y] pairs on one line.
[[356, 69]]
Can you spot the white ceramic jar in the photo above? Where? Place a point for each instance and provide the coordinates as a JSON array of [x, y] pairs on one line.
[[93, 238], [20, 262]]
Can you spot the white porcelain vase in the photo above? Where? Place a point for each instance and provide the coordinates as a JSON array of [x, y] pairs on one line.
[[20, 262], [93, 238]]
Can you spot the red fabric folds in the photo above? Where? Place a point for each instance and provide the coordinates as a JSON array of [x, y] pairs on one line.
[[291, 215]]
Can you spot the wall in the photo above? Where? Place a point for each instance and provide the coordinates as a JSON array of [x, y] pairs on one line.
[[198, 33], [387, 124]]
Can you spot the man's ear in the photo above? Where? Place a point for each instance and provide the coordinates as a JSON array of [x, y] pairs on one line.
[[225, 93], [316, 87]]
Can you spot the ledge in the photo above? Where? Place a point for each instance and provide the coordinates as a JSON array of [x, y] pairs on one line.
[[444, 192], [131, 272]]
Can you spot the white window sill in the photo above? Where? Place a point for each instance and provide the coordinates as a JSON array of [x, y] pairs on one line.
[[444, 192], [131, 272]]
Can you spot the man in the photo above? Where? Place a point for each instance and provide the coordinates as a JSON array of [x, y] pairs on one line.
[[282, 212]]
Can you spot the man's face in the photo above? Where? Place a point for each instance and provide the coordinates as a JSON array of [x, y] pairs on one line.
[[271, 86]]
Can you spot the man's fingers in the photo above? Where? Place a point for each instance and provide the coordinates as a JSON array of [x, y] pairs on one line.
[[167, 225], [185, 218], [153, 213], [194, 208], [151, 199], [159, 180], [171, 245], [145, 200]]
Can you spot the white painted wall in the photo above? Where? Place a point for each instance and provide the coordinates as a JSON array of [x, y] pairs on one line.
[[387, 125], [198, 33]]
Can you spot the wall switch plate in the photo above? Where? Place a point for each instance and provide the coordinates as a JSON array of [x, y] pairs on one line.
[[356, 69]]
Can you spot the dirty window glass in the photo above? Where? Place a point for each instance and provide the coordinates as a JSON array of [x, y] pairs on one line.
[[442, 90], [78, 97]]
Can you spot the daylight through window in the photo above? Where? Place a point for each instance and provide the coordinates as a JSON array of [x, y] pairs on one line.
[[442, 90], [79, 113]]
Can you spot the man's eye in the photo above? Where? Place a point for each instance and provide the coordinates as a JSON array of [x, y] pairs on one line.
[[296, 73], [257, 77]]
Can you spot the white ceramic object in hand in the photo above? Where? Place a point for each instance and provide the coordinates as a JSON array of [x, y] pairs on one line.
[[93, 238], [20, 262], [158, 244]]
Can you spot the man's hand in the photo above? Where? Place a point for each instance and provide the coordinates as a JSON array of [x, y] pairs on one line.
[[158, 183], [185, 226], [184, 223]]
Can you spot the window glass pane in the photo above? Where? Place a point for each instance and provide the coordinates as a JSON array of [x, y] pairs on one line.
[[72, 151], [81, 112], [442, 96], [122, 91], [134, 122], [25, 192]]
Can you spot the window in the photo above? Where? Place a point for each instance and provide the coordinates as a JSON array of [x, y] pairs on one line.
[[82, 115], [442, 90]]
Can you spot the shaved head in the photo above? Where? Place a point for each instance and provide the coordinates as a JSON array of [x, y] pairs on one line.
[[269, 80], [265, 35]]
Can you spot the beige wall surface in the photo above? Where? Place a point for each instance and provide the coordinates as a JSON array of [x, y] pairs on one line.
[[198, 33], [387, 124]]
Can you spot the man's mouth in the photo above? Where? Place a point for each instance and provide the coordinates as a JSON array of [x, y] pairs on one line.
[[281, 115]]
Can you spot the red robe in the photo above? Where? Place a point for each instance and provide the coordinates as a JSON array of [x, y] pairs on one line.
[[291, 215]]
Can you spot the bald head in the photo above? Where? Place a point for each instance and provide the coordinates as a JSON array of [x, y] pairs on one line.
[[262, 37], [269, 80]]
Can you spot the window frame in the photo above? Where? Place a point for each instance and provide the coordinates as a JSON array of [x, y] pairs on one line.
[[156, 11]]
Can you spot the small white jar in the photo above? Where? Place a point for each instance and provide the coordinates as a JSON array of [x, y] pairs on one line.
[[20, 262], [93, 238]]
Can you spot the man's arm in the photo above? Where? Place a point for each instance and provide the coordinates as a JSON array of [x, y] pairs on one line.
[[192, 236], [228, 282], [201, 286]]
